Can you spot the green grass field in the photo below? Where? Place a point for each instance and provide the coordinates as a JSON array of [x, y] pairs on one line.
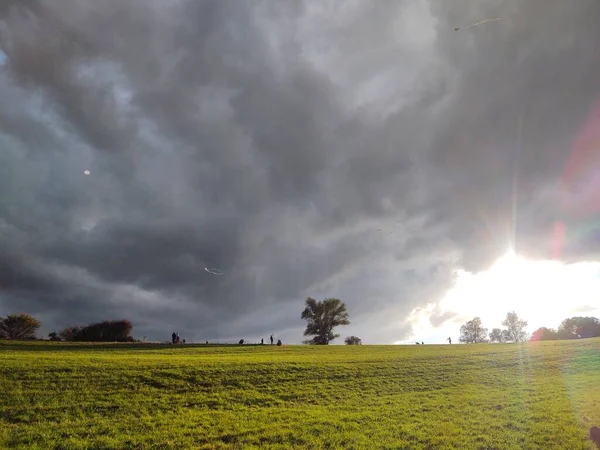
[[65, 396]]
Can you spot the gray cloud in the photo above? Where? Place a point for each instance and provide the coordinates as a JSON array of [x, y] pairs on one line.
[[272, 141]]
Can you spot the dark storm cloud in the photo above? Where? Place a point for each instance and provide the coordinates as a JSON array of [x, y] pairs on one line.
[[271, 141], [521, 100]]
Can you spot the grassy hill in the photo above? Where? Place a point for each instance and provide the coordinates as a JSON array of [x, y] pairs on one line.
[[543, 396]]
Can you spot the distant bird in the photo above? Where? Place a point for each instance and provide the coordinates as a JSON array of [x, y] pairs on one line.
[[478, 23], [213, 271], [86, 172]]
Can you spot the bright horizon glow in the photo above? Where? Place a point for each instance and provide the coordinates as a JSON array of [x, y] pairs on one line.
[[542, 292]]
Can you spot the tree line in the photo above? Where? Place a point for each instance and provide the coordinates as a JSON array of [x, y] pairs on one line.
[[106, 331], [572, 328], [473, 331], [24, 327], [322, 318]]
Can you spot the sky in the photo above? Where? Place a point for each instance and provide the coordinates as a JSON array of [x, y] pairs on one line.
[[360, 150]]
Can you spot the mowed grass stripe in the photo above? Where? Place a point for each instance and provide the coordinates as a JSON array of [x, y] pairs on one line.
[[535, 395]]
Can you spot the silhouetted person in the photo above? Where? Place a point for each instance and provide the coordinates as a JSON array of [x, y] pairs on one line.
[[241, 341], [279, 344], [595, 436], [173, 338], [262, 341], [271, 339], [206, 342], [183, 341], [449, 340], [422, 343]]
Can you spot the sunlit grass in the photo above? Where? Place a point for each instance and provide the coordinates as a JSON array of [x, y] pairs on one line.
[[432, 397]]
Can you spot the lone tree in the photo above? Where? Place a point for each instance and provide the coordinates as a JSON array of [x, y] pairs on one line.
[[515, 328], [21, 326], [322, 317], [472, 332], [353, 340]]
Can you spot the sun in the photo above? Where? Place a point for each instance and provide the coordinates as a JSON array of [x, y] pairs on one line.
[[543, 292]]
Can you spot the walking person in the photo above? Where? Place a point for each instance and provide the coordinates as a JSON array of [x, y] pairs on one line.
[[271, 339], [449, 340]]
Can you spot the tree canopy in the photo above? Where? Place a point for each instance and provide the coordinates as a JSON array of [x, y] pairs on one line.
[[498, 335], [322, 317], [473, 333], [18, 326], [544, 334], [107, 331], [579, 328], [515, 328], [353, 340]]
